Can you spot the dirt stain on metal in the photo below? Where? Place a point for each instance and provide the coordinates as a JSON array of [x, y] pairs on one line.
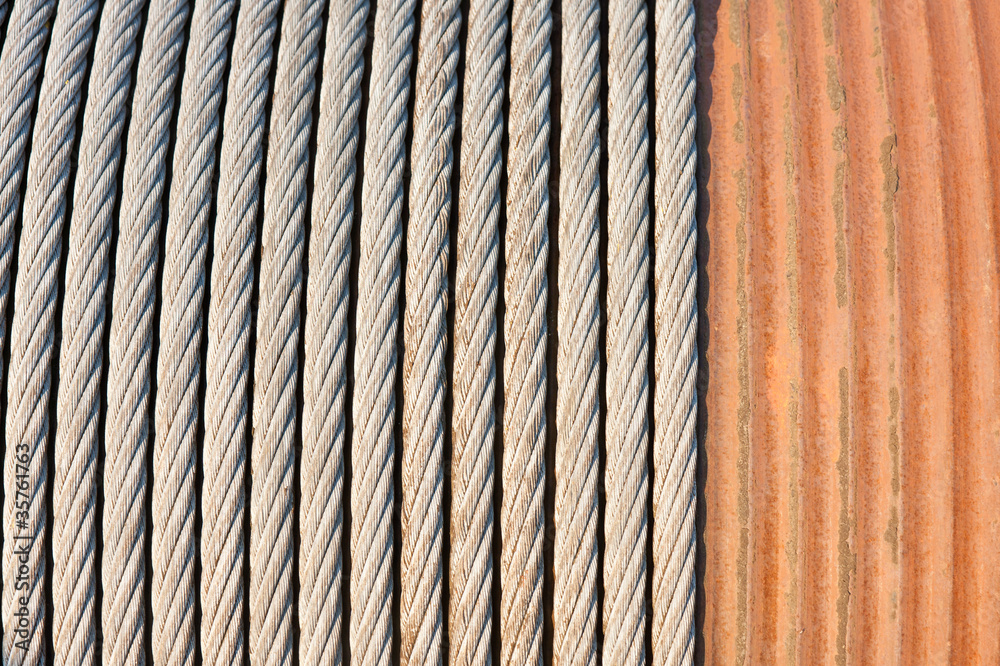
[[892, 529], [840, 276], [739, 131], [890, 185]]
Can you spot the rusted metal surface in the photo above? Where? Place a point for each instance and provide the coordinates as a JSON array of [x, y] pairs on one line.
[[849, 471]]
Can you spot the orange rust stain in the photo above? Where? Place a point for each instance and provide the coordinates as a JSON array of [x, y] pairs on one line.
[[850, 265], [721, 259], [769, 216], [823, 336], [971, 259]]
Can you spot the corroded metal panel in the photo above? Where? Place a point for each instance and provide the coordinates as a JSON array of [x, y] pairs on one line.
[[849, 161]]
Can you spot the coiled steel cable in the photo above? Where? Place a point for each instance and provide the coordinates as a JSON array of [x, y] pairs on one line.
[[229, 332], [275, 382], [578, 358], [627, 385], [83, 314], [676, 325], [33, 339], [46, 212], [526, 296], [179, 364], [24, 462], [326, 338], [241, 163], [130, 338], [374, 403], [425, 334], [476, 291]]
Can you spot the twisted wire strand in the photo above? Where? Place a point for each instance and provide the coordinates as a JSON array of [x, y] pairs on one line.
[[425, 333], [525, 295], [33, 333], [227, 360], [326, 337], [476, 288], [24, 460], [229, 330], [282, 245], [20, 62], [676, 354], [374, 402], [178, 363], [627, 384], [577, 364], [130, 340], [80, 355]]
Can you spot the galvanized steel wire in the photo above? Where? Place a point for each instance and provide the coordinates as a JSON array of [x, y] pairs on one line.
[[81, 354], [425, 336], [575, 609], [675, 326], [321, 513], [627, 385], [20, 66], [130, 355], [178, 371], [296, 98], [474, 371], [526, 249]]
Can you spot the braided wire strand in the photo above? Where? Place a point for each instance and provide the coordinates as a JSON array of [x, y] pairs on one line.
[[326, 337], [24, 460], [80, 356], [526, 295], [425, 334], [178, 363], [676, 325], [130, 338], [627, 386], [374, 402], [33, 333], [577, 364], [476, 288], [282, 246]]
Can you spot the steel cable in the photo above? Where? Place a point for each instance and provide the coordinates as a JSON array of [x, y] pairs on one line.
[[83, 314], [179, 363], [627, 385], [241, 163], [675, 322], [229, 332], [476, 290], [578, 358], [32, 343], [326, 337], [54, 166], [24, 462], [374, 402], [526, 296], [130, 337], [425, 334], [278, 320]]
